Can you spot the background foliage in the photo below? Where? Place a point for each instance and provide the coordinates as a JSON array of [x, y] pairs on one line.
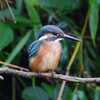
[[20, 20]]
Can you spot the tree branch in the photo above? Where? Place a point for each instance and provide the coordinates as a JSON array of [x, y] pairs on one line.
[[56, 76]]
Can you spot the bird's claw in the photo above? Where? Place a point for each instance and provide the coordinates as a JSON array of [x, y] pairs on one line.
[[53, 74]]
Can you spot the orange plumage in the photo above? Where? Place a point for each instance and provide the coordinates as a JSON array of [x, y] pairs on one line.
[[47, 57]]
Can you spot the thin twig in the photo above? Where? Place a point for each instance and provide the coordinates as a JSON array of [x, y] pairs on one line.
[[81, 48], [11, 12], [72, 58], [56, 76], [68, 69], [13, 66]]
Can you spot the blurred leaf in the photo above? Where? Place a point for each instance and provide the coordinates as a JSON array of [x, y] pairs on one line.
[[94, 18], [74, 97], [67, 93], [82, 95], [63, 5], [19, 5], [70, 24], [22, 22], [98, 2], [52, 91], [91, 50], [48, 88], [33, 14], [97, 93], [64, 55], [4, 14], [34, 93], [79, 95], [18, 47], [90, 61], [6, 36]]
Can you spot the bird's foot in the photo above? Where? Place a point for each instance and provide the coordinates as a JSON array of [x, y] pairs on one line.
[[39, 75], [53, 74]]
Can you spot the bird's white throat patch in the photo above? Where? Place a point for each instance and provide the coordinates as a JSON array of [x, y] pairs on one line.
[[43, 37], [59, 39]]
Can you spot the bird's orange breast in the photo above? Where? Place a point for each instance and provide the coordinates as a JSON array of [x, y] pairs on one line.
[[47, 57]]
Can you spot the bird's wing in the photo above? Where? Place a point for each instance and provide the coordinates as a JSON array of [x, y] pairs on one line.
[[33, 48]]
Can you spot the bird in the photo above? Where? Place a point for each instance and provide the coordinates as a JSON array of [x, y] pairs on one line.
[[45, 52]]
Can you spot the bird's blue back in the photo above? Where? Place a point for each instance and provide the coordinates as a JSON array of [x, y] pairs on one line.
[[34, 47]]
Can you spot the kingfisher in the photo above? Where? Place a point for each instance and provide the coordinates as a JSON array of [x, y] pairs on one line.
[[45, 53]]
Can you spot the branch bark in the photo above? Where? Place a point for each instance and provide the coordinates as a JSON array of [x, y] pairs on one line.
[[50, 75]]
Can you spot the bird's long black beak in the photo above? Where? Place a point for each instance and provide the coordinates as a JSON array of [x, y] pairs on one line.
[[66, 36]]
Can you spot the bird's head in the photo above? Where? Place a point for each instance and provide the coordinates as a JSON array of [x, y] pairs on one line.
[[49, 31]]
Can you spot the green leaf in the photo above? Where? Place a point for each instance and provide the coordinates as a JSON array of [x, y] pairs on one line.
[[18, 47], [22, 22], [67, 6], [5, 14], [79, 95], [6, 36], [94, 19], [33, 14], [19, 5], [34, 93], [97, 93], [48, 88], [67, 94]]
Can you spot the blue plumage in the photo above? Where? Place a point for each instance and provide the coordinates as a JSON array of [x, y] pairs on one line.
[[49, 29], [34, 47]]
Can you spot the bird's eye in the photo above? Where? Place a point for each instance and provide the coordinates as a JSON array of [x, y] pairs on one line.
[[55, 34], [58, 34]]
